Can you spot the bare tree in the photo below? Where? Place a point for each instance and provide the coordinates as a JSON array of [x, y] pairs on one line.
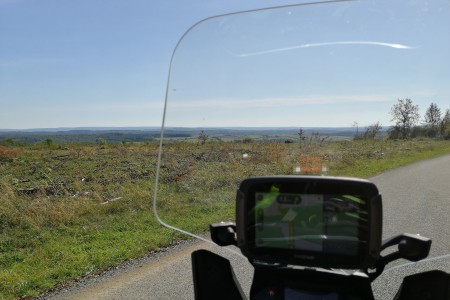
[[203, 137], [356, 136], [301, 135], [433, 119], [445, 125], [406, 115], [373, 131]]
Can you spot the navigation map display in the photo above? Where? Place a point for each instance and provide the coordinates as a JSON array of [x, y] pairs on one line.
[[310, 222], [320, 221]]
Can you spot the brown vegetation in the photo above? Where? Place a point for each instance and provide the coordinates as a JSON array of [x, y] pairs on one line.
[[8, 153]]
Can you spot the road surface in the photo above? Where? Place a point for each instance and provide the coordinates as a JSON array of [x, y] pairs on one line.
[[416, 199]]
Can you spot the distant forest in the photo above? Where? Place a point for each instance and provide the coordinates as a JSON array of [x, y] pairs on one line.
[[76, 136], [124, 135]]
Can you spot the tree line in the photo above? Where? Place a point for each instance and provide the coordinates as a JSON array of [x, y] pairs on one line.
[[407, 120], [409, 124]]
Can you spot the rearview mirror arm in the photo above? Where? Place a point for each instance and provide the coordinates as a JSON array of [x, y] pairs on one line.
[[412, 247], [223, 233]]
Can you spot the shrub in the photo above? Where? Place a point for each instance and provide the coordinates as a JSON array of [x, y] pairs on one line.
[[7, 154]]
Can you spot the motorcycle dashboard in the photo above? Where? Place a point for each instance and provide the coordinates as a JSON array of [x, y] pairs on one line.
[[287, 293], [309, 220]]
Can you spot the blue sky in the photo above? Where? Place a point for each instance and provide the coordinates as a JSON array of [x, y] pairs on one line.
[[91, 62], [105, 63]]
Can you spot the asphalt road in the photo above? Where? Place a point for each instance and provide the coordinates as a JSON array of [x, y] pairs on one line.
[[416, 199]]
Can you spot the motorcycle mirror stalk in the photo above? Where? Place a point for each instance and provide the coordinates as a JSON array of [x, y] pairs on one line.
[[223, 233], [412, 247]]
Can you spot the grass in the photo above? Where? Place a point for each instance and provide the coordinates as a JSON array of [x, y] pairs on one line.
[[381, 156], [67, 211]]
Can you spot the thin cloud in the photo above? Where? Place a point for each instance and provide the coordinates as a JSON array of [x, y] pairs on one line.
[[312, 45], [276, 102], [25, 62], [5, 2]]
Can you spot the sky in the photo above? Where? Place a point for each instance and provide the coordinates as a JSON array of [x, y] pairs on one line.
[[91, 63]]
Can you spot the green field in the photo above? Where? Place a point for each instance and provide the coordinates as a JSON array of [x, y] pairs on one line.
[[68, 210]]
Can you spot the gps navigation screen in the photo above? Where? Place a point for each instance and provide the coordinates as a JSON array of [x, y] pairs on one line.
[[310, 222]]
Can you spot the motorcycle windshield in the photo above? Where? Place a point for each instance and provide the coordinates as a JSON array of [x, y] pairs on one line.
[[341, 88]]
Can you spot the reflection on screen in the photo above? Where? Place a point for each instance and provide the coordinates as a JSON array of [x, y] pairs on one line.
[[291, 294], [311, 222]]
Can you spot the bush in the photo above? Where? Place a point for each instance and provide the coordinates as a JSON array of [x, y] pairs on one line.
[[7, 154]]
